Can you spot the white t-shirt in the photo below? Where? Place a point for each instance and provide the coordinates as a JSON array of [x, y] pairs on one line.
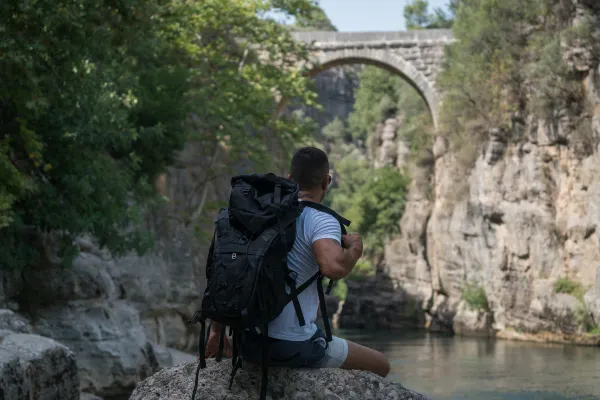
[[312, 225]]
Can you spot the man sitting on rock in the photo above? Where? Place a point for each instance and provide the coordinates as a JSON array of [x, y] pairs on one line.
[[320, 246]]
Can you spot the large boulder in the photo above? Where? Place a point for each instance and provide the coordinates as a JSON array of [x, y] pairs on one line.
[[294, 384], [9, 321], [112, 351], [34, 367]]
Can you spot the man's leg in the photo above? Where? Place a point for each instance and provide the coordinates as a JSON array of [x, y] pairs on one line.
[[366, 359], [341, 353]]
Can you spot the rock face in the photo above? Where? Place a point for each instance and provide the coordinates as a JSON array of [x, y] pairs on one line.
[[335, 88], [284, 384], [526, 215], [34, 367], [382, 304], [112, 351]]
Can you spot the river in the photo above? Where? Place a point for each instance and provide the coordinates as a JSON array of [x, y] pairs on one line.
[[452, 368]]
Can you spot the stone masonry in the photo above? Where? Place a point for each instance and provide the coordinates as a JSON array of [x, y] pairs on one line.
[[415, 55]]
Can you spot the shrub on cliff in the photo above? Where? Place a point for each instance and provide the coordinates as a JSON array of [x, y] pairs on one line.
[[94, 104], [507, 63], [576, 289], [475, 297]]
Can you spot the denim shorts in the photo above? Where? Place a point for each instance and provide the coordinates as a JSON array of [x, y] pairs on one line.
[[312, 353]]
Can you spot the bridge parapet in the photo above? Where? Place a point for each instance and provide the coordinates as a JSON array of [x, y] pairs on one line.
[[417, 35]]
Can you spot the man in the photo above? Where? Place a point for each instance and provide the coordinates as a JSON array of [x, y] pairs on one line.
[[320, 246]]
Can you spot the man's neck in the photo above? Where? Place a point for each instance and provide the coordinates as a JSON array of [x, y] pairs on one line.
[[309, 195]]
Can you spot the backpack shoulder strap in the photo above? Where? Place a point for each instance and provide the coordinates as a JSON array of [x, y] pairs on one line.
[[320, 207]]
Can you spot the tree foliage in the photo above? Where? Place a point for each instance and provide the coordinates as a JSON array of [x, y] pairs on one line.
[[508, 62], [94, 104], [316, 20], [417, 16], [382, 95], [373, 199]]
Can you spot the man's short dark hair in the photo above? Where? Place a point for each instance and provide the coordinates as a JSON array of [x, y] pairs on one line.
[[309, 167]]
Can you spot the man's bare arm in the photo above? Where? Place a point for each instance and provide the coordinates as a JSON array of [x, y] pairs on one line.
[[335, 261]]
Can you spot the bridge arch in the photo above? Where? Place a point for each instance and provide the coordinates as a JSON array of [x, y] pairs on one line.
[[416, 56], [388, 62]]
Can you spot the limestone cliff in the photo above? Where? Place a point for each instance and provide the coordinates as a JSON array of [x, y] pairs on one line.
[[524, 217]]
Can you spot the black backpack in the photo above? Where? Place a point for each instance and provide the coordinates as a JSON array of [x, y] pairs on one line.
[[247, 273]]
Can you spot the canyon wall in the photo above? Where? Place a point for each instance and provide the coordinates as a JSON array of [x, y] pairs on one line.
[[486, 252]]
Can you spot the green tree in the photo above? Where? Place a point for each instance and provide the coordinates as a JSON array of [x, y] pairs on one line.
[[335, 130], [95, 100], [417, 16], [506, 63], [383, 95], [375, 100], [317, 20], [373, 199]]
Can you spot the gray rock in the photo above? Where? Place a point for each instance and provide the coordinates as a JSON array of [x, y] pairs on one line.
[[378, 302], [284, 384], [180, 357], [167, 329], [87, 278], [108, 340], [34, 367], [468, 321], [88, 396], [168, 357], [592, 302], [10, 321], [163, 356], [388, 148], [440, 146]]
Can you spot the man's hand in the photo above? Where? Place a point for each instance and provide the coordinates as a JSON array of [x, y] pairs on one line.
[[212, 346], [353, 241]]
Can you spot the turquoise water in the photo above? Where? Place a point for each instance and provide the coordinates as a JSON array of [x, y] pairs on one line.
[[452, 368]]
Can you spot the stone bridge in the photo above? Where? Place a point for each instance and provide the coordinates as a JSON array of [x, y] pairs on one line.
[[415, 55]]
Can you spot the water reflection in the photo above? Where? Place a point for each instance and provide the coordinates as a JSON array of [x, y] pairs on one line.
[[452, 368]]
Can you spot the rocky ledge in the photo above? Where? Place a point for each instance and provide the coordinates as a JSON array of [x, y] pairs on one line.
[[177, 383], [34, 367]]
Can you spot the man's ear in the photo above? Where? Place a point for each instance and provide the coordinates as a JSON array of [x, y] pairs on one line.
[[325, 184], [289, 176]]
